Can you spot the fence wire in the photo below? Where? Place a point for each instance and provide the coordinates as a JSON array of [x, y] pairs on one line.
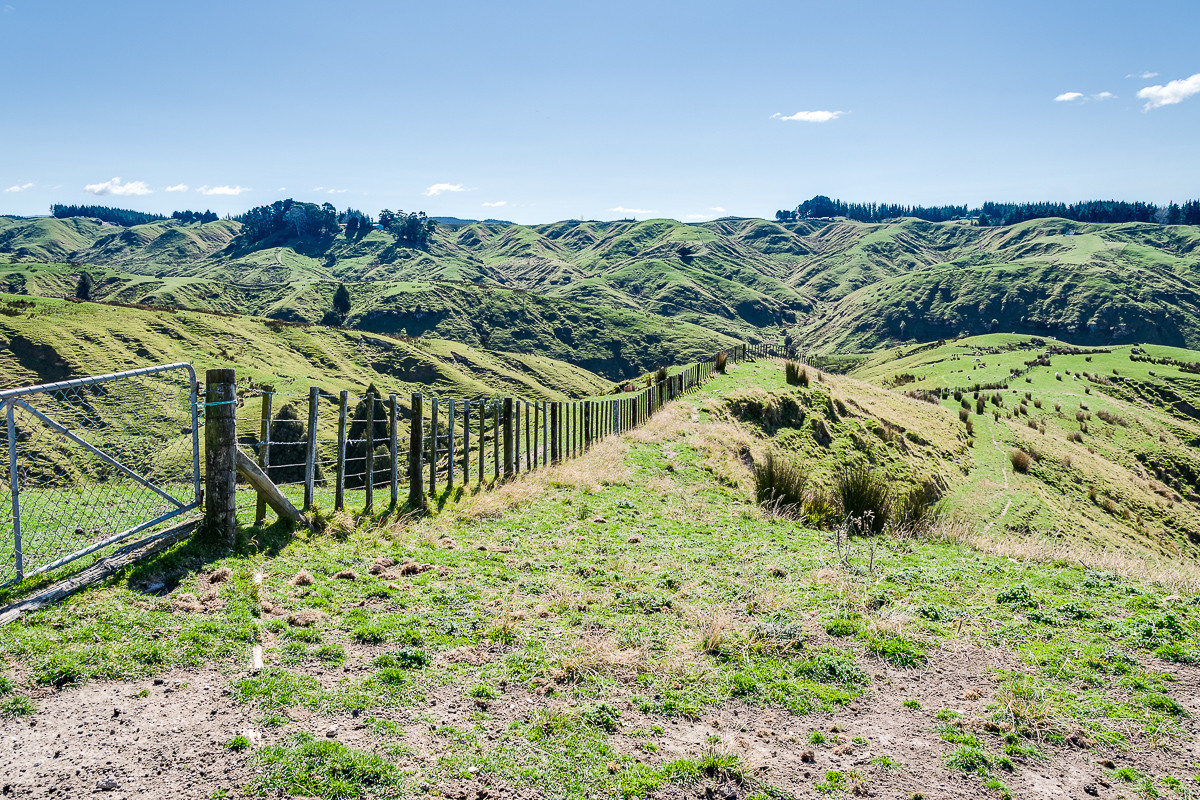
[[89, 462]]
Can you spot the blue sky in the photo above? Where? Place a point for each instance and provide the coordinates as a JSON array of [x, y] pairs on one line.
[[563, 110]]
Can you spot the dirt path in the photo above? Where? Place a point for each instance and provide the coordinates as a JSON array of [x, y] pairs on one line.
[[168, 742]]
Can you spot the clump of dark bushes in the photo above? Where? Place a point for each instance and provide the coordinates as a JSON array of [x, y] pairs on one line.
[[796, 373], [782, 488], [865, 500]]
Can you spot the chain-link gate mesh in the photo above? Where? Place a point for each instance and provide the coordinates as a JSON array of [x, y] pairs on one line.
[[90, 462]]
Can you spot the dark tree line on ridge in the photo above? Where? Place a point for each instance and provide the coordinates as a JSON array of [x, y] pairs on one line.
[[117, 216], [991, 214], [188, 217]]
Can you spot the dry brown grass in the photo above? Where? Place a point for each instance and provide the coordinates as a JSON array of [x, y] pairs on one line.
[[716, 628], [1169, 573], [601, 656], [603, 465]]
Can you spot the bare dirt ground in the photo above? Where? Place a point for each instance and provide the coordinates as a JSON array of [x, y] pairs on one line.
[[164, 738]]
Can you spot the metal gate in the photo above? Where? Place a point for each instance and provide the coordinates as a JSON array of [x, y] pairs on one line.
[[92, 461]]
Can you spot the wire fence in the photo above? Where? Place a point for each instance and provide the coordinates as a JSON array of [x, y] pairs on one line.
[[341, 451], [89, 462]]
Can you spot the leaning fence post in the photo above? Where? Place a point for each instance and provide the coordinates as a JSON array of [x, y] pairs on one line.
[[370, 453], [508, 436], [416, 492], [529, 443], [339, 491], [393, 446], [310, 448], [264, 451], [220, 454]]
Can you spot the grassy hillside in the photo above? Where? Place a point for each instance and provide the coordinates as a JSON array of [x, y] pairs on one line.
[[631, 624], [1113, 443], [614, 342], [48, 340], [1087, 284], [839, 285]]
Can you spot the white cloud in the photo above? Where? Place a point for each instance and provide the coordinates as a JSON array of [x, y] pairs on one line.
[[19, 187], [438, 188], [223, 190], [179, 187], [1067, 97], [717, 209], [1104, 96], [115, 187], [496, 204], [698, 216], [338, 191], [281, 189], [1144, 75], [809, 116], [1174, 92], [624, 210]]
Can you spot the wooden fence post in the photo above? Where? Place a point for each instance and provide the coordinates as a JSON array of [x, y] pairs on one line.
[[529, 443], [433, 448], [310, 448], [416, 473], [369, 452], [508, 437], [554, 433], [482, 452], [516, 426], [545, 433], [450, 448], [393, 447], [587, 425], [466, 443], [264, 450], [495, 441], [220, 455], [339, 494]]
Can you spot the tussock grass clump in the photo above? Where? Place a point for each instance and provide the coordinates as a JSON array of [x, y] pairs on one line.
[[1021, 461], [796, 373], [865, 499], [918, 508], [660, 375], [780, 485], [721, 361]]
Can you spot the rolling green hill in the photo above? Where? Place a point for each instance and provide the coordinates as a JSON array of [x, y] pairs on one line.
[[49, 340], [1113, 438], [614, 342], [836, 285]]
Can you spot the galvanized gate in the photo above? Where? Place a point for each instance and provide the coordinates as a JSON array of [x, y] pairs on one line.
[[92, 461]]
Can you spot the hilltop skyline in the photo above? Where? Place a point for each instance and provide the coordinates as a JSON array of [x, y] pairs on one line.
[[536, 112]]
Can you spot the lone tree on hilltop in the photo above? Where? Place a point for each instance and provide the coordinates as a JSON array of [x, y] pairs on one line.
[[341, 301], [83, 289]]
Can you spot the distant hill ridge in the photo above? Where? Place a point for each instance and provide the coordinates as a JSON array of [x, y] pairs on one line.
[[832, 284]]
